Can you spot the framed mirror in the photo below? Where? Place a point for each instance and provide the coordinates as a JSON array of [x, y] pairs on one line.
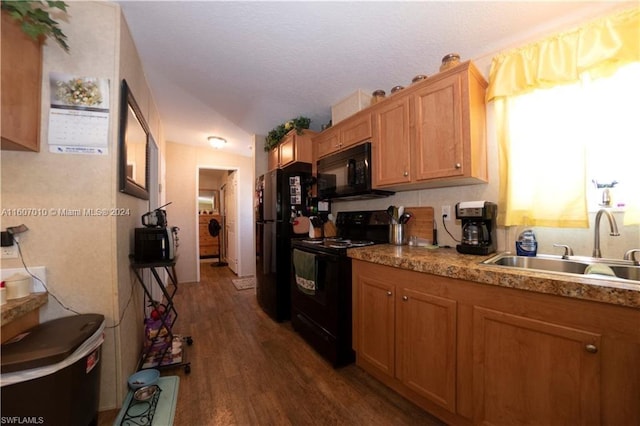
[[133, 138], [208, 201]]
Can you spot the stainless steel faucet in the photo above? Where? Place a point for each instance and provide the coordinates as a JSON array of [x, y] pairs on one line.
[[630, 255], [613, 228], [568, 251]]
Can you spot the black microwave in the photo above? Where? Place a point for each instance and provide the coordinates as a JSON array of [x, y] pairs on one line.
[[155, 244], [346, 175]]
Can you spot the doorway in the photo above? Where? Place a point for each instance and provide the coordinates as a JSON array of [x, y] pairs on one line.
[[216, 215]]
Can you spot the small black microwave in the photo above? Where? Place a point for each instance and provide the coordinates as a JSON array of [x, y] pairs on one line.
[[155, 244], [346, 175]]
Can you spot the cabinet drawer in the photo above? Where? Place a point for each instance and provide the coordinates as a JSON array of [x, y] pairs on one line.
[[208, 250]]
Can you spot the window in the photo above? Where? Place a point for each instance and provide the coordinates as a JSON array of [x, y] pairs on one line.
[[565, 140], [567, 121], [613, 137]]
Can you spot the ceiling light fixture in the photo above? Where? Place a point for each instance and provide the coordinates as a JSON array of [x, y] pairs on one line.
[[216, 141]]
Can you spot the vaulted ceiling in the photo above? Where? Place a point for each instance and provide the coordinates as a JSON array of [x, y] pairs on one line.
[[236, 68]]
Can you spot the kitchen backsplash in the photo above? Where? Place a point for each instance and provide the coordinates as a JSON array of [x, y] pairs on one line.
[[580, 240]]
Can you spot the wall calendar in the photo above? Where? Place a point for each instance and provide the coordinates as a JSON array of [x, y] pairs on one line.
[[79, 115]]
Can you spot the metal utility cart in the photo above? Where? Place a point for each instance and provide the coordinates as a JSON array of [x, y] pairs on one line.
[[160, 348]]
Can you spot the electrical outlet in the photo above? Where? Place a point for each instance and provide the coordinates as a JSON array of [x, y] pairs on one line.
[[446, 210], [10, 252]]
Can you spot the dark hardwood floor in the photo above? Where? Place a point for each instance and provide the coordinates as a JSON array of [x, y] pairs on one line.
[[249, 370]]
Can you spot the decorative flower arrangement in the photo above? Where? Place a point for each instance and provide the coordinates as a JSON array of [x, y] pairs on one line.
[[35, 18], [276, 135], [79, 92]]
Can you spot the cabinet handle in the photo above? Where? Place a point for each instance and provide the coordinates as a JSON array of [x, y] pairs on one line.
[[458, 165], [592, 349], [389, 293], [405, 298], [406, 174]]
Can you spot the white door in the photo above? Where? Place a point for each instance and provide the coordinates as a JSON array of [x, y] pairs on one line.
[[231, 203]]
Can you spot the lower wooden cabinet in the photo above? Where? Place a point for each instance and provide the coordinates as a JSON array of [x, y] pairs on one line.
[[478, 354], [376, 323], [533, 372], [426, 345], [409, 335]]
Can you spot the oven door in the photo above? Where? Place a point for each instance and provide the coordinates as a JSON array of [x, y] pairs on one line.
[[323, 317], [324, 304]]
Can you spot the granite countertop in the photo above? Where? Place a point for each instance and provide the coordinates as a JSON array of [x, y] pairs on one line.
[[447, 262], [16, 308]]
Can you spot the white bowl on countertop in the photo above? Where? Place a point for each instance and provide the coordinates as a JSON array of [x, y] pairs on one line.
[[18, 286]]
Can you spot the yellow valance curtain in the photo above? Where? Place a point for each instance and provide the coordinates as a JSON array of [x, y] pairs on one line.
[[598, 48]]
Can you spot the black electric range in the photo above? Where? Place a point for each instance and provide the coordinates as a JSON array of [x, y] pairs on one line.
[[353, 229], [321, 297]]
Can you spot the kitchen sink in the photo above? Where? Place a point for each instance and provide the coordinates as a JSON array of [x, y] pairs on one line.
[[575, 265], [627, 272]]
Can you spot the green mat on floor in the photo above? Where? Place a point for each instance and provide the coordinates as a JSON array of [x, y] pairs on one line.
[[165, 408]]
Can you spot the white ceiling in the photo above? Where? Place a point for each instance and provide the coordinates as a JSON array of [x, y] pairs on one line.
[[235, 69]]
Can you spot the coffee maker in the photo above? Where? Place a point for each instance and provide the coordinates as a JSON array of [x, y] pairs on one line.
[[478, 226]]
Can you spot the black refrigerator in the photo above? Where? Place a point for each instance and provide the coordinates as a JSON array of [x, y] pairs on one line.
[[280, 195]]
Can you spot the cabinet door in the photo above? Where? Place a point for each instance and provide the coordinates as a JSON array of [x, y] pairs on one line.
[[439, 130], [327, 142], [426, 342], [355, 130], [273, 159], [391, 143], [376, 324], [287, 150], [533, 372], [21, 83]]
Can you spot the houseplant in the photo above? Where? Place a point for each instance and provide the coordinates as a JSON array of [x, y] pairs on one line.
[[35, 19], [275, 136]]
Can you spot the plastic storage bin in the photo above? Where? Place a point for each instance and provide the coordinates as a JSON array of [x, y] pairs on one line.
[[51, 373]]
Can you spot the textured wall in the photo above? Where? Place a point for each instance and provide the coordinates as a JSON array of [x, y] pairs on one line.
[[86, 257], [182, 168]]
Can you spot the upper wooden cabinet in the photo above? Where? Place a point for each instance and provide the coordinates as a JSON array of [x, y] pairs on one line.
[[450, 137], [293, 148], [21, 86], [391, 156], [432, 134], [349, 132]]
